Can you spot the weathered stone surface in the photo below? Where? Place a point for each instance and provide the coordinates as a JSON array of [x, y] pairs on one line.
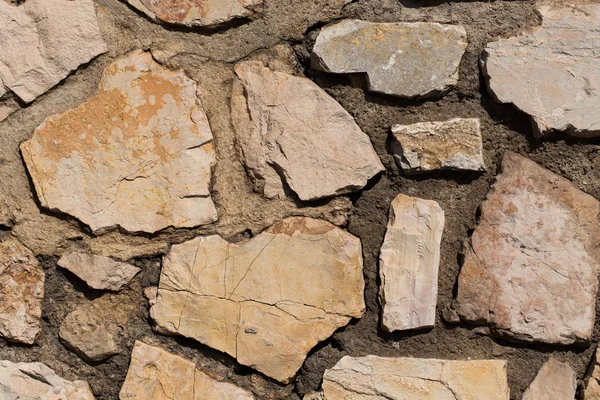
[[555, 380], [98, 272], [591, 383], [159, 375], [138, 155], [409, 262], [402, 59], [289, 129], [6, 218], [552, 73], [530, 269], [268, 301], [374, 377], [197, 12], [430, 146], [22, 288], [37, 381], [42, 42]]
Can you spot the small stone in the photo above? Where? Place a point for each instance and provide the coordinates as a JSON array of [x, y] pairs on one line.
[[268, 301], [314, 396], [159, 375], [591, 383], [374, 377], [409, 262], [151, 292], [402, 59], [555, 380], [430, 146], [6, 218], [530, 269], [37, 381], [102, 273], [553, 72], [287, 127], [7, 107]]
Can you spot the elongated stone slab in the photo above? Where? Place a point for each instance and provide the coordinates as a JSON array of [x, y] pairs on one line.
[[555, 380], [591, 383], [99, 272]]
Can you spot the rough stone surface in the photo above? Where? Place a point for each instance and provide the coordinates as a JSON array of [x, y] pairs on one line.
[[267, 301], [157, 374], [429, 146], [409, 262], [138, 155], [552, 73], [591, 383], [374, 377], [402, 59], [555, 380], [530, 269], [98, 272], [291, 130]]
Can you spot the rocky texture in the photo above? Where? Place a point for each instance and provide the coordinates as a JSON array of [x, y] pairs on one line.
[[430, 146], [138, 155], [555, 381], [98, 272], [591, 383], [374, 377], [42, 42], [267, 301], [6, 218], [22, 288], [159, 375], [402, 59], [552, 73], [291, 132], [530, 269], [409, 262]]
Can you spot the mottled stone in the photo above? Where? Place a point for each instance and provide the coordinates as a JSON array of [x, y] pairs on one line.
[[555, 380], [553, 72], [98, 272], [431, 146], [409, 262], [268, 301], [591, 383], [530, 269], [137, 156], [402, 59]]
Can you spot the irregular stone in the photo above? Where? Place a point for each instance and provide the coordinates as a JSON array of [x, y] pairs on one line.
[[22, 288], [151, 292], [6, 218], [159, 375], [591, 383], [553, 72], [287, 127], [530, 269], [555, 380], [403, 59], [374, 377], [430, 146], [136, 156], [409, 262], [42, 42], [267, 301], [37, 381], [98, 272]]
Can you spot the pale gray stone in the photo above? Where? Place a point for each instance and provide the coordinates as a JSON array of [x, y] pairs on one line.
[[554, 381], [98, 272]]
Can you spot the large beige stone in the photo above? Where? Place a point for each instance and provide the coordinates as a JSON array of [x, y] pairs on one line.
[[98, 272], [555, 380], [156, 374], [267, 301], [138, 155], [409, 262], [291, 130], [371, 377], [591, 383], [530, 269]]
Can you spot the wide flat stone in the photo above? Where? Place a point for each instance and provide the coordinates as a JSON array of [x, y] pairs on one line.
[[291, 132], [430, 146], [530, 269], [137, 156], [156, 374], [99, 272], [374, 377], [415, 59], [555, 380], [591, 383], [553, 72], [409, 262], [268, 301]]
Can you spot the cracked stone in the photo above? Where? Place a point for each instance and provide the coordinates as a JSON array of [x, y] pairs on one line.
[[591, 382], [555, 380], [156, 374], [415, 379], [553, 72], [409, 262], [429, 146], [137, 156], [268, 301], [530, 269], [287, 127], [402, 59]]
